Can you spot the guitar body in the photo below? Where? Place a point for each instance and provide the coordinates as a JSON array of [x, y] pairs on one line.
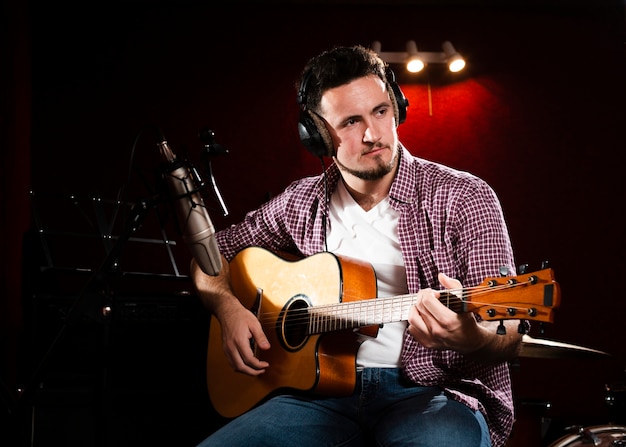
[[275, 288]]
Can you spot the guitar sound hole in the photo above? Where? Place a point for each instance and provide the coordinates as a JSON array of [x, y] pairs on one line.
[[293, 323]]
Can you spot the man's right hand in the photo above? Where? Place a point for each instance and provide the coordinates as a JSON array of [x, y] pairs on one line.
[[242, 335]]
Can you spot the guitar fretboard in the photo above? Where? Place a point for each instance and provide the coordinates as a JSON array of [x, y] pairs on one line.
[[351, 315]]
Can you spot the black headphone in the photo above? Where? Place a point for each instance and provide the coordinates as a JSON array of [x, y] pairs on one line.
[[312, 128]]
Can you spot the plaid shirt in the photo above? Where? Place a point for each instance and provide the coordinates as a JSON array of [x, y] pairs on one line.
[[450, 222]]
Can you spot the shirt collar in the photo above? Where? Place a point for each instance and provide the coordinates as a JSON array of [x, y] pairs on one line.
[[402, 188]]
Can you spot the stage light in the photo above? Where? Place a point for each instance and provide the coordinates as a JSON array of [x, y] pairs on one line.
[[414, 62], [455, 62]]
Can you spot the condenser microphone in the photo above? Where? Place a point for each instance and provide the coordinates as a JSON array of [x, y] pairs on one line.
[[197, 228]]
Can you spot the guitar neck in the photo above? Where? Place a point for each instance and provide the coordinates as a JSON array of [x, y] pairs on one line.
[[533, 297]]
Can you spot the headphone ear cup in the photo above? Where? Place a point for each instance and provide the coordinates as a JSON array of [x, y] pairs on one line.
[[400, 103], [315, 135]]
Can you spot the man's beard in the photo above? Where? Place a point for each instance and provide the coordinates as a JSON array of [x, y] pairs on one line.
[[375, 173]]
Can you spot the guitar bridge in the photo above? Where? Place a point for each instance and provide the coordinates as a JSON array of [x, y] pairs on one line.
[[255, 310]]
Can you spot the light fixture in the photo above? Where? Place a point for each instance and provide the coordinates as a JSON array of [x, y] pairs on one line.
[[416, 60]]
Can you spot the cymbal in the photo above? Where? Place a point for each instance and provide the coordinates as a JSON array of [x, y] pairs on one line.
[[550, 349]]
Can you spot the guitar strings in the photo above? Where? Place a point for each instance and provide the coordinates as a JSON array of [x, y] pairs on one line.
[[365, 312], [331, 310]]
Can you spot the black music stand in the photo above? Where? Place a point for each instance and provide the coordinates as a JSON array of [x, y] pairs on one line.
[[96, 228]]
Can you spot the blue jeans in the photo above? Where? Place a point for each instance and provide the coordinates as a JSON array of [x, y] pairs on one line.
[[385, 410]]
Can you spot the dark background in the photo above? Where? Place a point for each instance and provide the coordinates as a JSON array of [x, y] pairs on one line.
[[539, 114]]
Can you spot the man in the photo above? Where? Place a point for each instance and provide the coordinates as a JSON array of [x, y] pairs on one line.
[[440, 378]]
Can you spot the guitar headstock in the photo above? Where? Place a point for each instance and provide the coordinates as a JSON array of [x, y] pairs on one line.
[[528, 296]]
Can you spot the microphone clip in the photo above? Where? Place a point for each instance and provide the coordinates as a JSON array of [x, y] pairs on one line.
[[211, 148]]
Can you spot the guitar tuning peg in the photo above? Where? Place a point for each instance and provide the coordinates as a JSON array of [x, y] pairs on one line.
[[504, 270], [523, 268], [545, 264], [501, 328], [523, 327]]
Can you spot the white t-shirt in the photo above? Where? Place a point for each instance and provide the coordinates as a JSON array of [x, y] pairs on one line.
[[371, 236]]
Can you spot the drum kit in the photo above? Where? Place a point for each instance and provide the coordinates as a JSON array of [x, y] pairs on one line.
[[609, 435]]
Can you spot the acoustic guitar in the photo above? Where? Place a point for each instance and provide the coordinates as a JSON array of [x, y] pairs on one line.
[[311, 309]]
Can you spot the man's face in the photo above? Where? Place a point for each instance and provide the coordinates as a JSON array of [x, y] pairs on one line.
[[362, 124]]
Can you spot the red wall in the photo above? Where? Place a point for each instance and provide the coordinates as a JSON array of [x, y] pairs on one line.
[[539, 115]]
